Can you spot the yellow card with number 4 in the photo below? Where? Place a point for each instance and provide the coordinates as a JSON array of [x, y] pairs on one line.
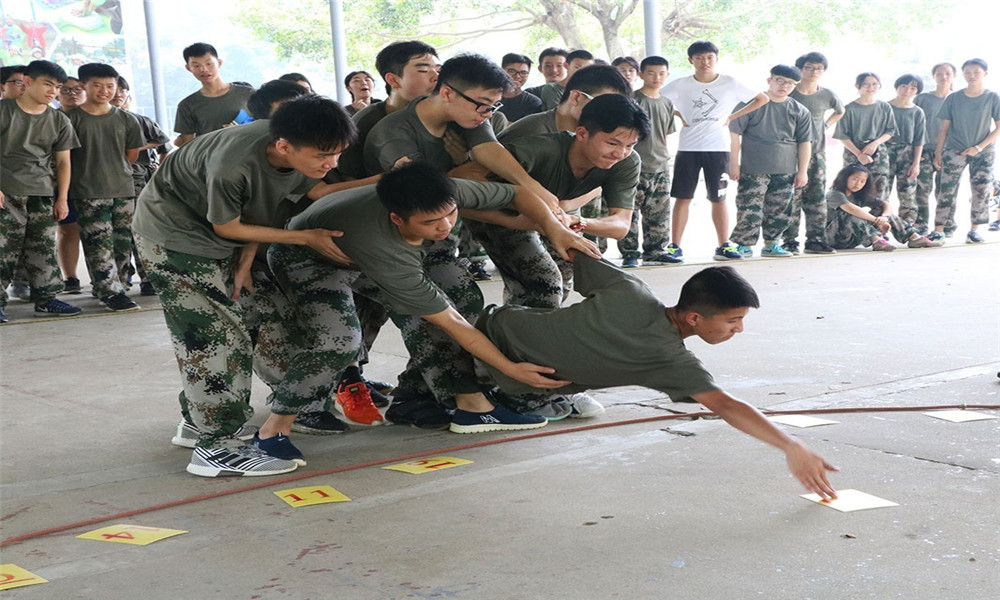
[[130, 534]]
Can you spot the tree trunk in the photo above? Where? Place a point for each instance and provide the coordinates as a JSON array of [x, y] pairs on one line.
[[559, 16]]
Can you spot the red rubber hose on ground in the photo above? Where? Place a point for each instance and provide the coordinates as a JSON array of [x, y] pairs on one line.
[[527, 436]]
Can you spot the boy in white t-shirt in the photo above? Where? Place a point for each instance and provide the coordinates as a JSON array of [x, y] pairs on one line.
[[705, 102]]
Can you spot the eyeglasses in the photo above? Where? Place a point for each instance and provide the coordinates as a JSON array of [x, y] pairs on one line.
[[17, 82], [481, 107], [781, 81], [516, 73], [585, 95], [815, 69], [71, 91]]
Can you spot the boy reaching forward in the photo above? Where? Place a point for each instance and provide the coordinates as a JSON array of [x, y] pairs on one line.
[[631, 338]]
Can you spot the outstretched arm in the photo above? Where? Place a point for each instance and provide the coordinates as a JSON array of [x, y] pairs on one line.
[[809, 468]]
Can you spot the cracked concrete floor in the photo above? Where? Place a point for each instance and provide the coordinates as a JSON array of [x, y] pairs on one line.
[[632, 511]]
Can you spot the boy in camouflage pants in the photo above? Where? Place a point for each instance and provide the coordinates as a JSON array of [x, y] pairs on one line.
[[197, 226], [34, 136]]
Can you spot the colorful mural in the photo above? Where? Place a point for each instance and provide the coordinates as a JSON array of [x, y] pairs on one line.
[[67, 32]]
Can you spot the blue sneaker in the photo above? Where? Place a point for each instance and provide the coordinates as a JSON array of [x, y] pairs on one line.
[[974, 238], [674, 254], [773, 250], [630, 260], [56, 308], [995, 225], [279, 446], [935, 236], [727, 251], [745, 251], [3, 314], [498, 419]]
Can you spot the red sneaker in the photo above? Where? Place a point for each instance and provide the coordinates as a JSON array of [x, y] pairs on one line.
[[355, 402]]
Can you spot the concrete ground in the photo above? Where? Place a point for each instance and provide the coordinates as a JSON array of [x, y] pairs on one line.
[[655, 509]]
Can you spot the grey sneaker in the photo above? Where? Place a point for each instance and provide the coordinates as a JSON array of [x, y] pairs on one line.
[[187, 434], [556, 409], [583, 406], [232, 458], [924, 242], [20, 290]]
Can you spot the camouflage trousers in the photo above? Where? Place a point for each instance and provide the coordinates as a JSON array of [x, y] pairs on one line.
[[468, 246], [329, 331], [879, 168], [652, 200], [596, 209], [28, 240], [980, 178], [900, 159], [845, 231], [530, 276], [929, 179], [106, 233], [811, 201], [762, 203]]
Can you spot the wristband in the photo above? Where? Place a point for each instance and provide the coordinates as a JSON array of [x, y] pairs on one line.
[[579, 226]]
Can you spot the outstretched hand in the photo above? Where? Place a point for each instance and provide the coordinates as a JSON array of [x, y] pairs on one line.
[[811, 471], [535, 376], [565, 240]]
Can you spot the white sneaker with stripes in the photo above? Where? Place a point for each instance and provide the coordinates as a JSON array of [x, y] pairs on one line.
[[231, 458]]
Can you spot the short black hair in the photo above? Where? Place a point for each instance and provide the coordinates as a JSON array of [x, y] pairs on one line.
[[467, 71], [860, 79], [394, 57], [653, 61], [6, 72], [347, 80], [514, 58], [595, 79], [123, 83], [296, 78], [786, 71], [626, 60], [95, 71], [702, 47], [414, 188], [582, 54], [609, 112], [45, 68], [977, 62], [199, 49], [314, 121], [909, 78], [715, 290], [551, 51], [259, 103], [935, 68], [815, 58]]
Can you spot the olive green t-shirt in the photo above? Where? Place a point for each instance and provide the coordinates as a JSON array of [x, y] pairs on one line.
[[214, 179], [374, 245], [618, 335], [771, 136], [817, 104], [550, 94], [545, 158], [931, 105], [911, 126], [100, 167], [403, 134], [971, 118], [653, 150], [863, 123], [544, 122], [352, 159], [199, 114], [27, 143]]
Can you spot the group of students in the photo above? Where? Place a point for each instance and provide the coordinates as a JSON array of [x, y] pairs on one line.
[[282, 245]]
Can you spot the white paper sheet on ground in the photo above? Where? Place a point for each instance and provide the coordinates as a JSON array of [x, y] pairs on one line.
[[851, 500], [959, 416], [801, 421]]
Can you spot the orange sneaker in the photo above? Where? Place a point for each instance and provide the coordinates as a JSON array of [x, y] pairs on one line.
[[354, 401]]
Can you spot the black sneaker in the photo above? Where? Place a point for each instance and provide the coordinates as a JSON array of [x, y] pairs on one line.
[[793, 246], [418, 410], [72, 285], [146, 289], [119, 303], [379, 386], [56, 308], [378, 398], [630, 260], [279, 446], [479, 272], [318, 423], [816, 247]]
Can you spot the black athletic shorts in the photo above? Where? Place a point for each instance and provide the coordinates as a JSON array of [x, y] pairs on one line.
[[687, 166]]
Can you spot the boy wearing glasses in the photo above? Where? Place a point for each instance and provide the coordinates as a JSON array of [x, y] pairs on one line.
[[769, 158], [517, 103], [811, 199]]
